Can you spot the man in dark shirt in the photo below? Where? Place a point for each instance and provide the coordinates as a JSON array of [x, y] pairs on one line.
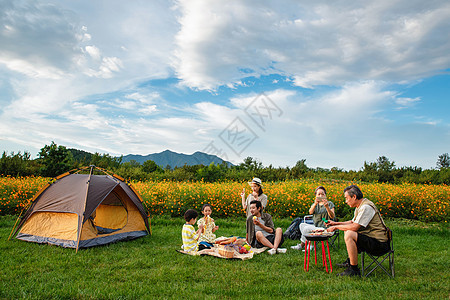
[[261, 231]]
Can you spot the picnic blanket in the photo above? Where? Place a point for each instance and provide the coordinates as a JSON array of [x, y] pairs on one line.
[[215, 252]]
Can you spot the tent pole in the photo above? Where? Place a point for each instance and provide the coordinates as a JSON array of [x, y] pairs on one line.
[[76, 171], [143, 204], [14, 226], [84, 208]]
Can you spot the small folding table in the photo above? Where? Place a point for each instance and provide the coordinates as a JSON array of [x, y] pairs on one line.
[[316, 238]]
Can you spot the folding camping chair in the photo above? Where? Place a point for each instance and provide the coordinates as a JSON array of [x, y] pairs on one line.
[[377, 260], [333, 241], [308, 219]]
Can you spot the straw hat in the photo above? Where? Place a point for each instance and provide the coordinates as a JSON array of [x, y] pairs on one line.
[[257, 181]]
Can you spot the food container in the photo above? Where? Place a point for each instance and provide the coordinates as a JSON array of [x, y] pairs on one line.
[[228, 253]]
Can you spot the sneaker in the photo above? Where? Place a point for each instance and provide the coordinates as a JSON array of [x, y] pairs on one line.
[[297, 247], [272, 251], [311, 248], [345, 264], [350, 272], [281, 250]]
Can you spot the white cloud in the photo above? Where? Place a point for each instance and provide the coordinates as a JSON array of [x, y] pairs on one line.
[[107, 69], [316, 43], [404, 102], [134, 103], [148, 110], [39, 35], [148, 98], [31, 69], [83, 46], [320, 117], [93, 51], [342, 127], [110, 65], [76, 73], [216, 116], [57, 54]]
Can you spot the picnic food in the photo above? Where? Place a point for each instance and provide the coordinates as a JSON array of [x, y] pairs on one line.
[[206, 224], [316, 233], [240, 242], [255, 217], [226, 241], [320, 231], [243, 250]]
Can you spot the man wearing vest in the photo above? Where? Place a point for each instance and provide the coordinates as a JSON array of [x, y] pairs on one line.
[[365, 232]]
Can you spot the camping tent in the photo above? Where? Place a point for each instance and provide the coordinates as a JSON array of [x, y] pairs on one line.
[[84, 210]]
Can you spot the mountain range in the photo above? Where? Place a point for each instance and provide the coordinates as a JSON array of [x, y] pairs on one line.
[[174, 159]]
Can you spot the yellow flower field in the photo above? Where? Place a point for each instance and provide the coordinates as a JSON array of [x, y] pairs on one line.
[[16, 193], [285, 199]]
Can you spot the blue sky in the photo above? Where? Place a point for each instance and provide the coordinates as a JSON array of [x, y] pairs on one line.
[[336, 83]]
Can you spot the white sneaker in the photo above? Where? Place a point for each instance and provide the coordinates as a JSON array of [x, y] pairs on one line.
[[311, 247], [281, 250], [272, 251], [297, 247]]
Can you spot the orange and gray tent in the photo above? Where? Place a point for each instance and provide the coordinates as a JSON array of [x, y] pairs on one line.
[[84, 210]]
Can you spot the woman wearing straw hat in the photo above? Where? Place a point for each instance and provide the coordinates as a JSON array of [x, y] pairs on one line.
[[256, 194]]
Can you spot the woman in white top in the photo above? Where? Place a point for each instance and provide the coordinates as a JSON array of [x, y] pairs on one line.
[[256, 194]]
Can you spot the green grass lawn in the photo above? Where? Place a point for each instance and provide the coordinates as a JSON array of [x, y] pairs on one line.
[[150, 267]]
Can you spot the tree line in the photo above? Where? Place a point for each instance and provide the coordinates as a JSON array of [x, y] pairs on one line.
[[54, 160]]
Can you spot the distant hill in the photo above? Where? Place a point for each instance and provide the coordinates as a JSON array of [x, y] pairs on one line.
[[174, 159], [81, 155]]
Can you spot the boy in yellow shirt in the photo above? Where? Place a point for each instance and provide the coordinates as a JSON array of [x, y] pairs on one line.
[[189, 235]]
